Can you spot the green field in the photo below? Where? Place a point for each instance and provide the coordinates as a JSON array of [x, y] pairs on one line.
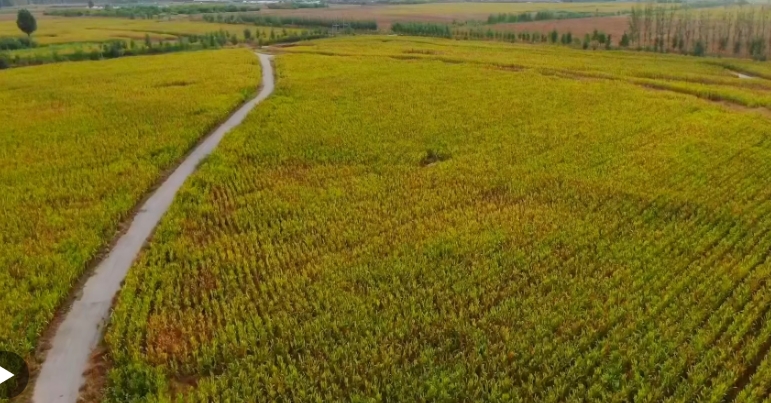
[[425, 220]]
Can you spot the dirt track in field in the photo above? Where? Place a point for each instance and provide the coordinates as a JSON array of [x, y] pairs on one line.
[[61, 375]]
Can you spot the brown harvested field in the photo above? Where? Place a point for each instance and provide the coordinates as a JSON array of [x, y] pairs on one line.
[[7, 16], [614, 26], [385, 15], [382, 14]]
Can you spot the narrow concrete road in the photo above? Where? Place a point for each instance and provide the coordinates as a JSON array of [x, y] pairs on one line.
[[61, 376]]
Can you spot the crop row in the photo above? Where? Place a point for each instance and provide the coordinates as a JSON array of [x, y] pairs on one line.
[[408, 229], [80, 146]]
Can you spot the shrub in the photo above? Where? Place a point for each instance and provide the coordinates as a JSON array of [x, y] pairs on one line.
[[699, 49]]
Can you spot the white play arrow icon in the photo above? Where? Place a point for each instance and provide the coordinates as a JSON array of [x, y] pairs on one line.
[[5, 375], [20, 374]]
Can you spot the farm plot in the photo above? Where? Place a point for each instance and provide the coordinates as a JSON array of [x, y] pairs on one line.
[[59, 30], [417, 220], [385, 15], [615, 26], [81, 144]]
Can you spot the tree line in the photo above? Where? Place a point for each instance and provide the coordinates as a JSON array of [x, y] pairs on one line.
[[295, 5], [738, 31], [9, 43], [596, 40], [21, 3], [147, 11], [288, 21], [543, 15], [422, 29]]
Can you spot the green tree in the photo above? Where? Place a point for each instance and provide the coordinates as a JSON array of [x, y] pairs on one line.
[[90, 3], [247, 34], [634, 25], [624, 40], [699, 49], [758, 49], [26, 22]]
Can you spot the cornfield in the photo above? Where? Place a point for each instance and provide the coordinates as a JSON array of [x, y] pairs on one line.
[[60, 30], [423, 220], [81, 144]]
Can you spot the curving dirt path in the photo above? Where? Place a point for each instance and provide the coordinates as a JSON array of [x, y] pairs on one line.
[[61, 375]]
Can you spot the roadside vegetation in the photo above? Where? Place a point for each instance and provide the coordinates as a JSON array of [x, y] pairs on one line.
[[75, 159], [412, 219]]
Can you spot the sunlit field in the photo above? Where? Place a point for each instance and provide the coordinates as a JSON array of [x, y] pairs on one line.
[[58, 30], [81, 144], [420, 220]]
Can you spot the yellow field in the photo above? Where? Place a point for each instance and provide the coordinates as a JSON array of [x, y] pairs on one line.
[[58, 30], [80, 144], [414, 220], [53, 30], [635, 67]]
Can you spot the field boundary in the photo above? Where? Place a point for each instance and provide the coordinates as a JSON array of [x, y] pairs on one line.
[[81, 329], [649, 83]]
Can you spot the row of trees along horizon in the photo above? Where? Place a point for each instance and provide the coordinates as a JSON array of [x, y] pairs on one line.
[[148, 11], [743, 31], [595, 40], [736, 31], [280, 21]]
